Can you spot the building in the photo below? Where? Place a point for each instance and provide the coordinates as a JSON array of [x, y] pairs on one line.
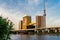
[[20, 24], [26, 21], [40, 21]]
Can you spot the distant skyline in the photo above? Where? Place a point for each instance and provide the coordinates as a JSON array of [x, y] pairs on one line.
[[16, 9]]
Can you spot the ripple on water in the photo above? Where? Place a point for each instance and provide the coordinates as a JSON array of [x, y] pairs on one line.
[[34, 37]]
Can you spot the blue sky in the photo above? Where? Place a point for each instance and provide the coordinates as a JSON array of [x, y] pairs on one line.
[[16, 9]]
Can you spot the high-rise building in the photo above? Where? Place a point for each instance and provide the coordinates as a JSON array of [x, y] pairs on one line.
[[26, 21], [40, 22]]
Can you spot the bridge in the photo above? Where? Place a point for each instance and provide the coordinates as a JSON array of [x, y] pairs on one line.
[[52, 29]]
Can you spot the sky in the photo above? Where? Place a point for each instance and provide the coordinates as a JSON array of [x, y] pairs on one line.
[[16, 9]]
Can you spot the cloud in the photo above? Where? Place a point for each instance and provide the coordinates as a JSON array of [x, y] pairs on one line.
[[53, 15], [17, 9], [33, 1], [53, 22], [14, 15]]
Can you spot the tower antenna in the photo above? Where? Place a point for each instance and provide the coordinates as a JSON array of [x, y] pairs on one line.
[[44, 9], [44, 15]]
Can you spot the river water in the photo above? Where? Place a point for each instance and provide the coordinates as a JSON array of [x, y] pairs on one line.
[[34, 37]]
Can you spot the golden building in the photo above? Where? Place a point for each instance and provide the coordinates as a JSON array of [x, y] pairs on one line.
[[40, 21], [26, 21]]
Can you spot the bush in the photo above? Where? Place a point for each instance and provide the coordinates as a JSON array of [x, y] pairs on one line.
[[5, 28]]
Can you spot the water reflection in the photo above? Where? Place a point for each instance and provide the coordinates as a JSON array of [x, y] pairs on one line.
[[34, 37], [28, 37], [40, 37]]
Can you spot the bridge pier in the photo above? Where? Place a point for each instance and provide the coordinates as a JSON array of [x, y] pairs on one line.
[[59, 30], [47, 30], [55, 30], [42, 31], [37, 31]]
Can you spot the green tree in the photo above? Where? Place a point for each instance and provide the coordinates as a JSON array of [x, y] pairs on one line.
[[5, 28]]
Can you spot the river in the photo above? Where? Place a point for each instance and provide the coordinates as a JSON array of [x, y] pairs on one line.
[[34, 37]]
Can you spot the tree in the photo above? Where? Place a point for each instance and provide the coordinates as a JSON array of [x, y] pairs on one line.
[[5, 28]]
